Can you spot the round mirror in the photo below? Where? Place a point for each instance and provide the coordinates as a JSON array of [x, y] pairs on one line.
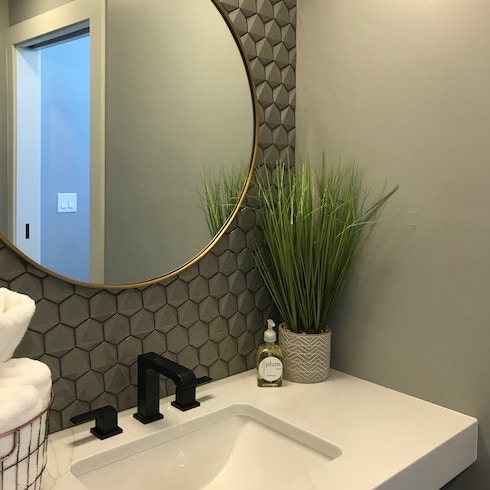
[[117, 197]]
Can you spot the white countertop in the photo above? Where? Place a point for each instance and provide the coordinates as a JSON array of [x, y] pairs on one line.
[[388, 440]]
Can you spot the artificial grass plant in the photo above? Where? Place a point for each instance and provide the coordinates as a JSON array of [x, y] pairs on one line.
[[313, 226]]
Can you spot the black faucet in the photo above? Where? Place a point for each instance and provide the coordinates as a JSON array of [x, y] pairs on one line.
[[150, 366], [105, 421]]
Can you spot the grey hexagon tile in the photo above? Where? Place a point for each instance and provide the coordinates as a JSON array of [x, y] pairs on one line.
[[281, 56], [245, 261], [65, 392], [142, 323], [237, 282], [230, 5], [10, 265], [208, 309], [166, 318], [256, 322], [45, 317], [198, 334], [198, 289], [116, 329], [208, 353], [256, 28], [251, 359], [188, 357], [75, 363], [190, 273], [246, 302], [103, 305], [289, 36], [273, 32], [155, 342], [59, 340], [219, 369], [89, 386], [208, 266], [86, 292], [265, 52], [153, 297], [28, 284], [56, 289], [74, 311], [262, 298], [227, 348], [287, 118], [31, 345], [116, 378], [237, 365], [237, 241], [218, 286], [265, 10], [129, 301], [128, 351], [266, 141], [103, 357], [273, 116], [239, 21], [258, 71], [126, 398], [227, 261], [89, 334], [280, 136], [237, 324], [281, 14], [246, 343], [228, 305], [177, 292], [281, 100], [188, 313], [248, 7], [177, 339], [265, 96], [218, 329]]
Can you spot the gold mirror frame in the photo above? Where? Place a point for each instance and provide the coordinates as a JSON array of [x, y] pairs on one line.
[[233, 214]]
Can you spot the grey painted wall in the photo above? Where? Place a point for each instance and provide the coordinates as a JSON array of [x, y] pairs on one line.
[[403, 88]]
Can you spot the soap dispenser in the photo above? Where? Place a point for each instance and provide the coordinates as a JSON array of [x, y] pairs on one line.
[[269, 359]]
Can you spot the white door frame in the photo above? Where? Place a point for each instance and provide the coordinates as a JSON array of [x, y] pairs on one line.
[[74, 12]]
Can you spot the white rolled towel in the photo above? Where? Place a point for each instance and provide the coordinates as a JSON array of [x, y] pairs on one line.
[[24, 371], [16, 311]]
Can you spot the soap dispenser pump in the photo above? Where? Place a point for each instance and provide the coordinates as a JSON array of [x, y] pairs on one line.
[[269, 359]]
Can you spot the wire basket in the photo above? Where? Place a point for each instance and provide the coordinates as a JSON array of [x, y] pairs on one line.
[[23, 453]]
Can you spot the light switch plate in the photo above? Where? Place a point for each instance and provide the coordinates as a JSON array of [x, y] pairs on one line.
[[67, 202]]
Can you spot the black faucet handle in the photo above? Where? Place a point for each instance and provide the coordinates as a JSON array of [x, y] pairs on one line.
[[105, 421], [203, 380], [185, 396]]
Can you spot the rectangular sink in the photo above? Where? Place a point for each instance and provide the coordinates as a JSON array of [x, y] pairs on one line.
[[237, 447]]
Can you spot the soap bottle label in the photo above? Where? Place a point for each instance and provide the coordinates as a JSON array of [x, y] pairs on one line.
[[270, 368]]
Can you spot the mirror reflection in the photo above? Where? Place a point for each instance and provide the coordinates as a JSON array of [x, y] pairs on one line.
[[177, 105]]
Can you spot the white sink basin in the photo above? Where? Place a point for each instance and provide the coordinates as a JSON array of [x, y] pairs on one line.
[[236, 447]]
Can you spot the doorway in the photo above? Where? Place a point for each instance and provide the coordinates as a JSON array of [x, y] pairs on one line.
[[56, 133], [53, 174]]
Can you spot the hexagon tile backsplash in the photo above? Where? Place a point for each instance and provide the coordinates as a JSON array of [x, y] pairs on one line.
[[211, 317]]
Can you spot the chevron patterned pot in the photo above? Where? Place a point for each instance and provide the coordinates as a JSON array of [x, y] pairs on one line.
[[306, 357]]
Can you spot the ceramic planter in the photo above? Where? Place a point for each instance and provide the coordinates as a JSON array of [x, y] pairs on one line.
[[306, 357]]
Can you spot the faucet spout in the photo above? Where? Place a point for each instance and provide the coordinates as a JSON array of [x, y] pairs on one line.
[[150, 367]]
